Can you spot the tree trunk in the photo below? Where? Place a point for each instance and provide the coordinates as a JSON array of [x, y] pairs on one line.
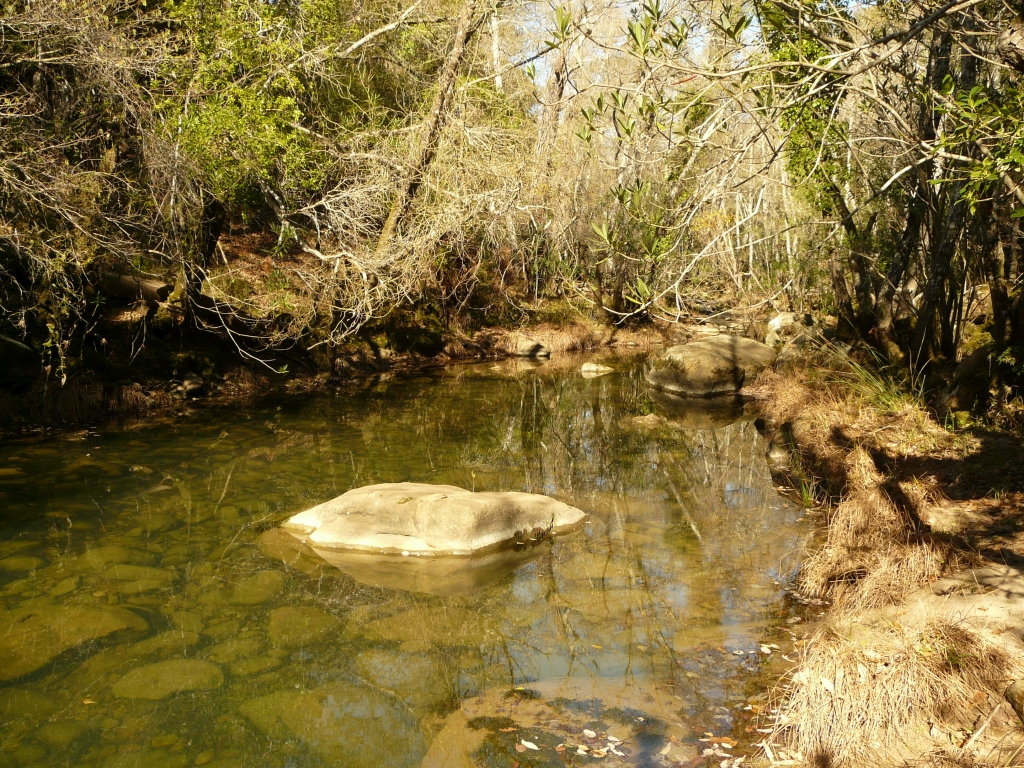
[[426, 147]]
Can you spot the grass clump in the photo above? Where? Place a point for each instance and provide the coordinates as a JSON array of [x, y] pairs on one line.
[[883, 693]]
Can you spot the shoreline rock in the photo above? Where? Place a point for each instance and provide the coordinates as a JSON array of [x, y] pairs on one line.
[[713, 366]]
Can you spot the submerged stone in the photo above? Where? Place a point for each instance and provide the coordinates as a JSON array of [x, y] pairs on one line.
[[138, 573], [440, 625], [65, 586], [160, 680], [425, 519], [62, 734], [431, 575], [19, 702], [301, 625], [229, 650], [416, 678], [101, 558], [258, 588], [187, 621], [344, 724], [158, 523], [21, 563], [35, 636], [166, 642], [254, 665]]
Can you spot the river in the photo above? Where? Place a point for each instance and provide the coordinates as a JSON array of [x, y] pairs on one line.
[[154, 615]]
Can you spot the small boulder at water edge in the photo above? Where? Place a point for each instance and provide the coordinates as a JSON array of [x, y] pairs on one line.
[[717, 365]]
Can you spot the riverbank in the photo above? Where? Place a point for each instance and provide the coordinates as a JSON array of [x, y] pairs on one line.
[[170, 373], [920, 560]]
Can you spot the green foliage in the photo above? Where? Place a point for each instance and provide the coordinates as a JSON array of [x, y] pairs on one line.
[[816, 148], [237, 103], [991, 122]]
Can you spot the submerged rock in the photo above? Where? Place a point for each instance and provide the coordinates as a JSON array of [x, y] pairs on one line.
[[18, 702], [34, 636], [717, 365], [158, 523], [254, 665], [439, 625], [17, 563], [101, 558], [166, 642], [66, 586], [61, 735], [431, 575], [258, 588], [160, 680], [416, 678], [295, 626], [187, 621], [344, 724], [557, 712], [229, 650], [424, 519]]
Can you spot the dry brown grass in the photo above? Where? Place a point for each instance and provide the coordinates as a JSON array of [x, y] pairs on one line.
[[872, 688], [876, 550], [74, 402], [132, 398], [881, 694], [127, 398]]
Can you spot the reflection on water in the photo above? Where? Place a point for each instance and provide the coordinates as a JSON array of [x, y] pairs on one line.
[[152, 614]]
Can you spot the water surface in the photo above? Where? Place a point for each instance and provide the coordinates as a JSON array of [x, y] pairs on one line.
[[154, 615]]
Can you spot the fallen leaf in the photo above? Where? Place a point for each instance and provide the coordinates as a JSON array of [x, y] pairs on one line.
[[508, 730], [589, 733], [612, 738], [665, 750], [529, 745], [520, 748]]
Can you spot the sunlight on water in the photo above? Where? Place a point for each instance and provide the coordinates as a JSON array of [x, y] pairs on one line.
[[154, 615]]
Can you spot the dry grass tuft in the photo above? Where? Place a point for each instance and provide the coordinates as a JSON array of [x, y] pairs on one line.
[[892, 688], [861, 699], [75, 401], [7, 408], [127, 398], [876, 549]]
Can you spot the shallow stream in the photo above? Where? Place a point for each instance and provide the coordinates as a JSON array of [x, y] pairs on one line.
[[152, 614]]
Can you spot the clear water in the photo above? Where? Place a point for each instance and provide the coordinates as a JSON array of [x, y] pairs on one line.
[[153, 614]]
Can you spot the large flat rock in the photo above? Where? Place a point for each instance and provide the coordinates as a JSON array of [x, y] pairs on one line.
[[718, 365], [424, 519]]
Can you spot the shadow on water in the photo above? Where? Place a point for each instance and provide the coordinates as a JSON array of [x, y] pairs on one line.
[[153, 614]]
